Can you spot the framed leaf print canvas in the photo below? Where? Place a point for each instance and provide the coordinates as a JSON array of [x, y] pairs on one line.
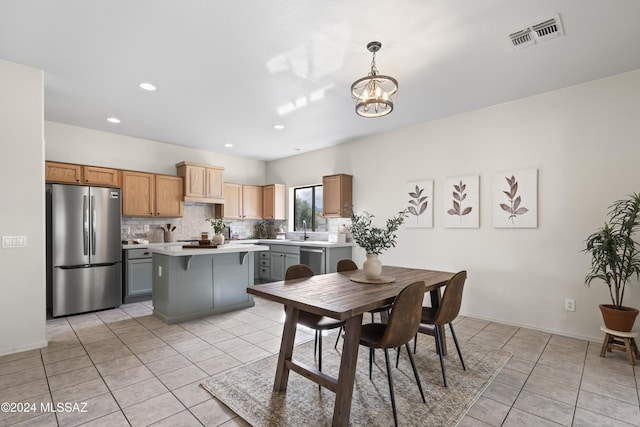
[[461, 202], [515, 199], [418, 200]]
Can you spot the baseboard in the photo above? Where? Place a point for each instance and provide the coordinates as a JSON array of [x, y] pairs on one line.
[[42, 344]]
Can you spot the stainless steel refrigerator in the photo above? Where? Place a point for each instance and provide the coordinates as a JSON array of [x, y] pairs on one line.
[[84, 251]]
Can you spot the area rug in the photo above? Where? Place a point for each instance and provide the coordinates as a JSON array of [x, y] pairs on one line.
[[248, 389]]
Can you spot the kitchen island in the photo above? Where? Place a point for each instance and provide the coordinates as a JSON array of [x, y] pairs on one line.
[[190, 283]]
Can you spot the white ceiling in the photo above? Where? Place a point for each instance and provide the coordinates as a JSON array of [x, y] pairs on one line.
[[224, 68]]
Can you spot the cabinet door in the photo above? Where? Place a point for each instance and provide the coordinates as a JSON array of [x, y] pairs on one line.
[[289, 260], [139, 276], [232, 201], [273, 202], [169, 196], [101, 176], [63, 172], [195, 181], [214, 184], [277, 266], [138, 191], [337, 195], [251, 202]]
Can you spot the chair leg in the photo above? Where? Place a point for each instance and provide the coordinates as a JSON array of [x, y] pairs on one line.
[[436, 329], [372, 318], [338, 337], [315, 344], [397, 356], [393, 398], [319, 350], [415, 371], [455, 340], [415, 343]]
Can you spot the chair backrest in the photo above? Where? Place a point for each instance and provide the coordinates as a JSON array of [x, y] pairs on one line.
[[404, 319], [451, 299], [346, 265], [298, 271]]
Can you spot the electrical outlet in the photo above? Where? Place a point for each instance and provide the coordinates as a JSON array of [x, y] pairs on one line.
[[14, 241], [570, 304], [145, 228], [159, 271]]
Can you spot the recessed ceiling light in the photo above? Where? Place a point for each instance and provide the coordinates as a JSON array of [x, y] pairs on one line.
[[278, 127], [147, 86], [227, 145], [113, 120]]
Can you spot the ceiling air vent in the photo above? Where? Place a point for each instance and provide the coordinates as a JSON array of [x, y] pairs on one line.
[[536, 33]]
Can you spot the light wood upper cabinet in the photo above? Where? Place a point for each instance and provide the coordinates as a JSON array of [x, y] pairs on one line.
[[202, 183], [169, 196], [93, 175], [252, 202], [63, 172], [337, 196], [150, 195], [241, 202], [273, 202], [138, 191], [83, 175], [232, 208]]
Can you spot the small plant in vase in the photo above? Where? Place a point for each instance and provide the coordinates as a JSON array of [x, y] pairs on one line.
[[615, 258], [374, 240], [218, 227]]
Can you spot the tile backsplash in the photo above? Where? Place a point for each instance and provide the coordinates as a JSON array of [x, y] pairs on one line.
[[193, 223]]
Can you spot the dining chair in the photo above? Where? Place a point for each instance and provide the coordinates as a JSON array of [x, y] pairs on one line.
[[402, 325], [311, 320], [349, 265], [446, 312]]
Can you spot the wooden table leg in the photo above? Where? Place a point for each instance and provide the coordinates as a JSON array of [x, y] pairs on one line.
[[435, 303], [286, 348], [605, 345], [347, 373]]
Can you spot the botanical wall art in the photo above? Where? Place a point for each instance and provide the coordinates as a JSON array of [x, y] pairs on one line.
[[460, 202], [515, 199], [418, 200]]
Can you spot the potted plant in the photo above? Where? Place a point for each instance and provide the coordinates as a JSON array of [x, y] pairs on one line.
[[374, 240], [615, 259], [218, 227], [262, 230]]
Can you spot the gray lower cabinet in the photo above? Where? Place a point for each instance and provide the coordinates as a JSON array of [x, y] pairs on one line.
[[264, 265], [283, 257], [139, 277], [189, 287]]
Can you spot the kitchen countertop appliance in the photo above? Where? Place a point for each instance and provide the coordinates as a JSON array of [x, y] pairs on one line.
[[84, 257]]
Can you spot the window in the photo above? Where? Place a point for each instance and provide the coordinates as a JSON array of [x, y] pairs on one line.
[[308, 207]]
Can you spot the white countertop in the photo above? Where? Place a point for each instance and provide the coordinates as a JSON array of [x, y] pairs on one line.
[[178, 250], [246, 242]]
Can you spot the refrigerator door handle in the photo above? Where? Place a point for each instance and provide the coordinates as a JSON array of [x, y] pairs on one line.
[[93, 225], [85, 225]]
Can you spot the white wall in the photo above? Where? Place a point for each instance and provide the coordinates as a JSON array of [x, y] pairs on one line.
[[584, 142], [22, 213], [74, 144]]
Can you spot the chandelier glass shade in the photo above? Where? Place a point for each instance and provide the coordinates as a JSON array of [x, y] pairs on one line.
[[374, 92]]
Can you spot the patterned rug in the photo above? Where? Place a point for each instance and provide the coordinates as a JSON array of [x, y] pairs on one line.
[[248, 390]]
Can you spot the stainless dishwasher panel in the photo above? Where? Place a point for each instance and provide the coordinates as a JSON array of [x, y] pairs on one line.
[[314, 258]]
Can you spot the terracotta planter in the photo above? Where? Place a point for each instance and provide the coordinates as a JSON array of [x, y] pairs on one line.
[[618, 319]]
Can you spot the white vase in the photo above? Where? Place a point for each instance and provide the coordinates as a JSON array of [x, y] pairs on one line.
[[218, 239], [372, 267]]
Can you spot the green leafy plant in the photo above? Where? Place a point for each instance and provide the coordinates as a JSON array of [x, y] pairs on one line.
[[614, 253], [375, 240], [458, 197], [218, 224], [262, 229], [513, 208]]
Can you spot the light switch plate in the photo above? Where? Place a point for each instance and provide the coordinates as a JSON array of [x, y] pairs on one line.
[[14, 241]]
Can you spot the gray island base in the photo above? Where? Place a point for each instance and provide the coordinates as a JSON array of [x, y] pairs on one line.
[[193, 283]]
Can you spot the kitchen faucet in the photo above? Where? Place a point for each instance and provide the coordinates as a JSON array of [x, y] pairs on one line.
[[304, 229]]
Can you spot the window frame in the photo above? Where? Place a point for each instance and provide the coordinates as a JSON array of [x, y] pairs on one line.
[[314, 225]]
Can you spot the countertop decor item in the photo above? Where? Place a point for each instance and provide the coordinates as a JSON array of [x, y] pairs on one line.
[[374, 240], [218, 227], [375, 91], [615, 258]]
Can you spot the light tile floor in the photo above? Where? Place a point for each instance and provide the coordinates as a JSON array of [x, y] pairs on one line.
[[132, 369]]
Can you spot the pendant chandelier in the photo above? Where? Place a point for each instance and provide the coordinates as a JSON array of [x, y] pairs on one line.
[[374, 92]]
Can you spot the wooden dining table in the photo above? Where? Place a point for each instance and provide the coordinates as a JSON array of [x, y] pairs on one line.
[[335, 295]]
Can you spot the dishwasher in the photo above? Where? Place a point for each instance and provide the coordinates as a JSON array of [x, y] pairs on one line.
[[314, 258]]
